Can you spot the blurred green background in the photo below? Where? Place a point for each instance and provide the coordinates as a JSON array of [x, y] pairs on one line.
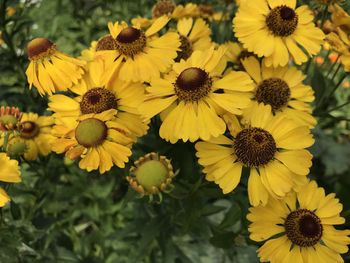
[[62, 214]]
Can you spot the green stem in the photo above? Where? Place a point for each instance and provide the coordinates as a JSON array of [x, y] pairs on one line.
[[324, 15], [6, 140], [337, 85], [332, 67], [339, 106]]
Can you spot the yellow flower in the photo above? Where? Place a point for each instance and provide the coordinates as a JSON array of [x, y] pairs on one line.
[[9, 173], [50, 70], [340, 42], [10, 11], [95, 95], [194, 35], [167, 7], [235, 53], [36, 132], [283, 90], [207, 11], [340, 18], [98, 139], [299, 227], [276, 30], [139, 55], [192, 95], [271, 147]]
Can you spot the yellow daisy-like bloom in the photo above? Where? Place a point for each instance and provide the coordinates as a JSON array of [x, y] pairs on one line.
[[235, 53], [139, 55], [94, 95], [9, 173], [207, 11], [36, 132], [88, 54], [299, 227], [340, 18], [49, 69], [283, 90], [194, 35], [98, 139], [168, 7], [340, 42], [193, 93], [277, 29], [271, 147]]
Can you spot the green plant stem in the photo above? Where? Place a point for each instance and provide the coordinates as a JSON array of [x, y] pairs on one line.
[[6, 140], [332, 67], [337, 85], [339, 106], [324, 15]]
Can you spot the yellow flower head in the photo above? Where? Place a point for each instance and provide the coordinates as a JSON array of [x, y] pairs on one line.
[[235, 53], [194, 35], [271, 147], [340, 18], [191, 97], [299, 227], [139, 55], [94, 95], [282, 89], [35, 130], [9, 173], [50, 70], [339, 41], [276, 30], [168, 8], [98, 139]]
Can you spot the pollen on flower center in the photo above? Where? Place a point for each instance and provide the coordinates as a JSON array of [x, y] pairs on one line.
[[162, 7], [91, 132], [29, 129], [274, 92], [106, 43], [254, 147], [97, 100], [282, 21], [303, 228], [185, 49], [193, 84], [130, 41], [39, 48]]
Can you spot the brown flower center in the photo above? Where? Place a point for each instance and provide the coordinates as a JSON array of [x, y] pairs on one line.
[[91, 132], [106, 43], [185, 49], [163, 7], [282, 21], [206, 9], [274, 92], [254, 147], [97, 100], [303, 228], [193, 84], [29, 129], [39, 48], [130, 41]]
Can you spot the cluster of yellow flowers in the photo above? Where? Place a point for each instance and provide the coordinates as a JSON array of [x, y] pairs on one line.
[[254, 115]]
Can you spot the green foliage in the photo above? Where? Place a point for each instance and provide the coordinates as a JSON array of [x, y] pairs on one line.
[[62, 214]]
